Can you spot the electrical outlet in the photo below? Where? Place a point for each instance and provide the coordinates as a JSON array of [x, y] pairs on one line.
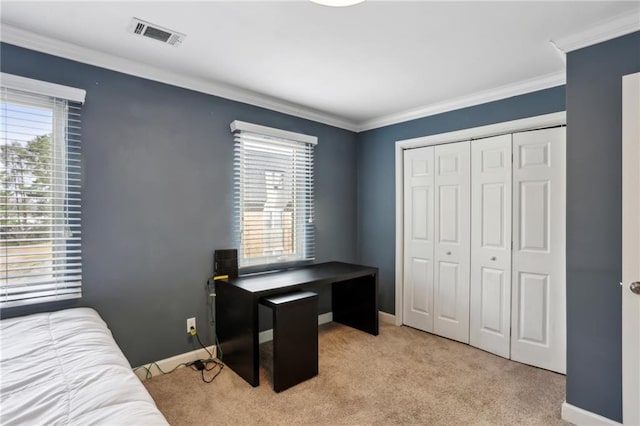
[[191, 322]]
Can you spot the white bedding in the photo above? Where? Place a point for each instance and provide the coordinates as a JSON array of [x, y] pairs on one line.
[[65, 368]]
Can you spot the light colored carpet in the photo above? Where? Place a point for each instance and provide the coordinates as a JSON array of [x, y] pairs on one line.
[[402, 376]]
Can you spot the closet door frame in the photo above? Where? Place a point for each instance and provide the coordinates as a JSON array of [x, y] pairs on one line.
[[531, 123]]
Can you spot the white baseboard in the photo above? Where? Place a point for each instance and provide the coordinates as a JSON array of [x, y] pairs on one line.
[[267, 335], [325, 318], [580, 417], [387, 318], [169, 364]]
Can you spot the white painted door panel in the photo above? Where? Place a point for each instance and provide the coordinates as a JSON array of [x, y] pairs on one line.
[[452, 239], [490, 286], [630, 249], [418, 238], [538, 318]]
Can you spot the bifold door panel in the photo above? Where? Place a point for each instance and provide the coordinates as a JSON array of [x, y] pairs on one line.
[[418, 238], [490, 290], [452, 239], [538, 302]]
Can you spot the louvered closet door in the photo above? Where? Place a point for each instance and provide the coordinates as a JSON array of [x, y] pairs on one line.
[[418, 238], [452, 235], [538, 290], [490, 288]]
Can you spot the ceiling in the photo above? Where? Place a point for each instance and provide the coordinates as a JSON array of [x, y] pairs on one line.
[[356, 67]]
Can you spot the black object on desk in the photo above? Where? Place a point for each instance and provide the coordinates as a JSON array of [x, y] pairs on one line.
[[354, 303], [225, 262]]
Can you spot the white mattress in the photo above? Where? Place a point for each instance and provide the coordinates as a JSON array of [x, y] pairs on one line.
[[65, 368]]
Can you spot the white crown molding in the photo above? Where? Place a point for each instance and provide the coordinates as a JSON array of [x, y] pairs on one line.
[[29, 40], [618, 26], [502, 92]]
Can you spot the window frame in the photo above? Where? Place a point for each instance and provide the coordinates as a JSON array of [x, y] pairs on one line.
[[302, 213], [64, 264]]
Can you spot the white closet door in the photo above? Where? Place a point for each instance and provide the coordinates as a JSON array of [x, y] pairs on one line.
[[418, 238], [538, 290], [490, 288], [452, 235]]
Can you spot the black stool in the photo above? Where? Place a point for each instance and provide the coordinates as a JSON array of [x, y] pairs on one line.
[[295, 338]]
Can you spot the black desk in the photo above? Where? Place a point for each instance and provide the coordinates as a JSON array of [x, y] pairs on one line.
[[354, 298]]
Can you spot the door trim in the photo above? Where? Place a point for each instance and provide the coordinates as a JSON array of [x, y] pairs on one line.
[[630, 248], [531, 123]]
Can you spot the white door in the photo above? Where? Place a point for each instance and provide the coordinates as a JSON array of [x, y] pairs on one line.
[[452, 241], [418, 238], [490, 287], [538, 319], [631, 249]]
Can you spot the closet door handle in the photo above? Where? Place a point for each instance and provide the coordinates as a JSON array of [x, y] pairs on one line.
[[448, 253], [494, 258]]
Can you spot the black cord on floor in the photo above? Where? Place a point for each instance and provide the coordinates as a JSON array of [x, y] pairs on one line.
[[149, 374], [215, 364], [211, 360], [206, 363]]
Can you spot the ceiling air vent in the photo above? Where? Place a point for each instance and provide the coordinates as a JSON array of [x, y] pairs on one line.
[[156, 32]]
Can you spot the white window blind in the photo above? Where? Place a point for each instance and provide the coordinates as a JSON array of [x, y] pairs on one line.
[[273, 191], [40, 158]]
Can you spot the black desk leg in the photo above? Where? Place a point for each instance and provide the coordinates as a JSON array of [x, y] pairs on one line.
[[355, 303], [237, 329]]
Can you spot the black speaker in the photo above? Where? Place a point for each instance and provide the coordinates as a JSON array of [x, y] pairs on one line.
[[225, 262]]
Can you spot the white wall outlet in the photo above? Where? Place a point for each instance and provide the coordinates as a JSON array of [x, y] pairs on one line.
[[191, 322]]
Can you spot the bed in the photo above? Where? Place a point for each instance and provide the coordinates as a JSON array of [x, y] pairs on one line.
[[65, 368]]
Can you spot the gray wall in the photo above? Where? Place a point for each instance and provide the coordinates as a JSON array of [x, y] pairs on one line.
[[594, 222], [157, 197], [376, 172]]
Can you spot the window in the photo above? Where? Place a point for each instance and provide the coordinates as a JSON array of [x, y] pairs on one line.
[[40, 254], [273, 195]]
